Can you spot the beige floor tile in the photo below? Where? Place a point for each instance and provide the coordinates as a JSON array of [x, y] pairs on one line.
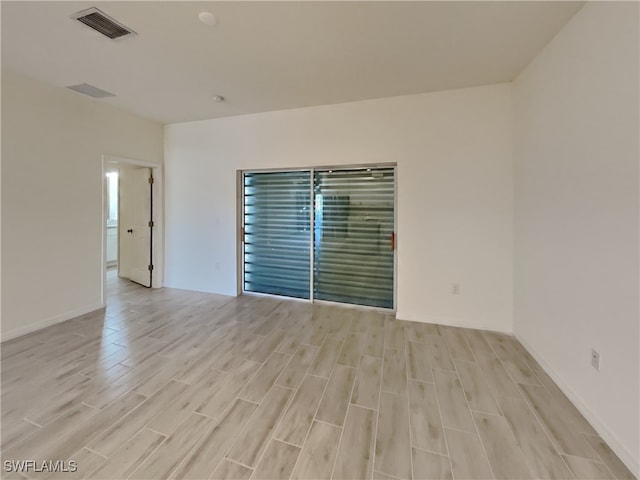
[[258, 387], [351, 350], [382, 476], [477, 343], [335, 400], [325, 359], [475, 387], [267, 346], [229, 360], [125, 460], [439, 355], [297, 420], [394, 372], [457, 343], [496, 376], [186, 351], [127, 426], [110, 389], [14, 432], [45, 442], [291, 342], [505, 456], [231, 471], [227, 389], [568, 409], [182, 408], [205, 363], [587, 469], [426, 426], [453, 403], [417, 332], [393, 450], [355, 456], [319, 453], [540, 453], [170, 454], [71, 391], [561, 430], [394, 336], [161, 377], [418, 364], [519, 371], [609, 458], [86, 463], [102, 420], [430, 466], [366, 390], [297, 367], [202, 461], [255, 436], [277, 462], [468, 459], [374, 342]]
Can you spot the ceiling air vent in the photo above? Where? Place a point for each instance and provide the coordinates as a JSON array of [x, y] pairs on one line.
[[103, 23], [90, 90]]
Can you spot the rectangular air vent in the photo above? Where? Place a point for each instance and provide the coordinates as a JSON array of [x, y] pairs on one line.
[[103, 23], [90, 90]]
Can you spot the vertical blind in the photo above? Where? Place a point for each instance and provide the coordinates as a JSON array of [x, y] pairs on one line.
[[350, 245], [277, 233]]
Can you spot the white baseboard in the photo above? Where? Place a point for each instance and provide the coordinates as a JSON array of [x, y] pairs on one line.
[[599, 426], [449, 322], [63, 317]]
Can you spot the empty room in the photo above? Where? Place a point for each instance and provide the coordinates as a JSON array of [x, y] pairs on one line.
[[320, 240]]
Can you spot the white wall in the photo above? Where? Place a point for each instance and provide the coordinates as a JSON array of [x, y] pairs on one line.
[[52, 146], [455, 193], [576, 255]]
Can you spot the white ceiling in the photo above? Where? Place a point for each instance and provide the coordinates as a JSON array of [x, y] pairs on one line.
[[266, 56]]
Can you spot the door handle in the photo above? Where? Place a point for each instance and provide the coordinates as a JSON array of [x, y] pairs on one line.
[[130, 230]]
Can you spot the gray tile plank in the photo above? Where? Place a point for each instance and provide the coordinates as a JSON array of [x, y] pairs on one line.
[[366, 390], [297, 420], [318, 455], [467, 456], [355, 456], [335, 400], [426, 427], [393, 449]]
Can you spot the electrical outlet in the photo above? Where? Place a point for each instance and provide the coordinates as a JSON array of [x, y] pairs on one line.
[[455, 288], [595, 359]]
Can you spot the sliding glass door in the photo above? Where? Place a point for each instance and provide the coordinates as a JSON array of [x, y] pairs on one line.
[[338, 221], [353, 236], [277, 233]]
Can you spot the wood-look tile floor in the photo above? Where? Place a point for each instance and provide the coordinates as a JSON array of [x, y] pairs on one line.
[[178, 384]]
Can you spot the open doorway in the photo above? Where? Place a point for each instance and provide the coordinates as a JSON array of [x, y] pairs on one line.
[[132, 222], [111, 196]]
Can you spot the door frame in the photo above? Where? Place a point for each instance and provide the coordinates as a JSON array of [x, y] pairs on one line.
[[157, 234], [240, 229]]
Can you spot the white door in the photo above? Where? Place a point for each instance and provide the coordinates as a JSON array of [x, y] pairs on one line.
[[136, 224]]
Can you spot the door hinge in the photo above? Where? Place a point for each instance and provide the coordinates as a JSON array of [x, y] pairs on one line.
[[151, 224], [150, 179], [243, 234], [150, 268]]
